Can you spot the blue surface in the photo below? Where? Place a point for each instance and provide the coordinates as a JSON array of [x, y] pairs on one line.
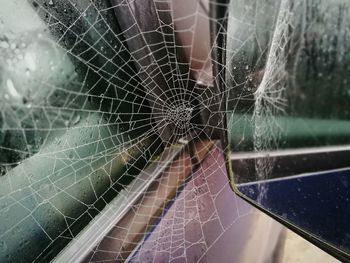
[[318, 203]]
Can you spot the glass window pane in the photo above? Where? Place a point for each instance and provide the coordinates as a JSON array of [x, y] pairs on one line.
[[75, 128]]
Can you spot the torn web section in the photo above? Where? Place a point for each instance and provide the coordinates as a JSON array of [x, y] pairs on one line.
[[70, 97], [262, 46], [287, 111], [251, 27], [300, 124], [250, 30]]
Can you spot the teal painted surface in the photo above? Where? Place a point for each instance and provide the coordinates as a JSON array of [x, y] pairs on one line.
[[54, 193], [294, 132]]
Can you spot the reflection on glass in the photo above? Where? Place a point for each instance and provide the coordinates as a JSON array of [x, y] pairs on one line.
[[289, 120]]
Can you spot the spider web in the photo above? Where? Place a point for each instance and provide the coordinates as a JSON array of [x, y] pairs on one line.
[[92, 95]]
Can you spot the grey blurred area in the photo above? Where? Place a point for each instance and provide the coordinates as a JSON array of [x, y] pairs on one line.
[[297, 249]]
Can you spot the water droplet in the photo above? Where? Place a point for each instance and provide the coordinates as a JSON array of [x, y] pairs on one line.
[[3, 171], [11, 88], [76, 120], [3, 246], [57, 141], [4, 44]]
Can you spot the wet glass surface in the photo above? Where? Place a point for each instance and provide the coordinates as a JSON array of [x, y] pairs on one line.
[[70, 140], [288, 79]]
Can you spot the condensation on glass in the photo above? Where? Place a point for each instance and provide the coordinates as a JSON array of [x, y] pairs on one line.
[[67, 128], [288, 79]]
